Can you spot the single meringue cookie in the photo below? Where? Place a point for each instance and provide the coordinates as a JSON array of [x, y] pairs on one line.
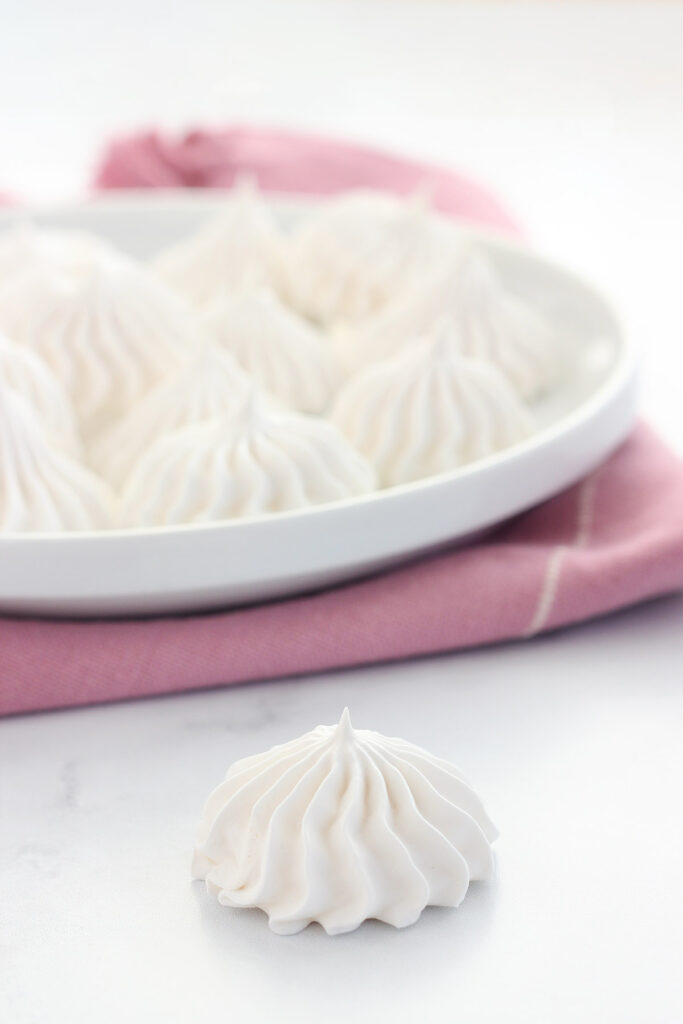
[[209, 383], [429, 410], [28, 374], [241, 245], [41, 487], [356, 253], [493, 324], [106, 326], [262, 460], [285, 355], [339, 826]]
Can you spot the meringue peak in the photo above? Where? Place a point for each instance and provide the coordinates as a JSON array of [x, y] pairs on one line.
[[349, 258], [344, 730], [241, 245]]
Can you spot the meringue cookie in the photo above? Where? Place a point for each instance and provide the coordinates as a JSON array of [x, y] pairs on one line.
[[240, 246], [41, 487], [262, 460], [493, 324], [105, 325], [339, 826], [356, 253], [28, 374], [284, 354], [429, 410], [209, 384]]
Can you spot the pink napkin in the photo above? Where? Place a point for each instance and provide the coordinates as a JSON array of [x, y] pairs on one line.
[[612, 540], [288, 162]]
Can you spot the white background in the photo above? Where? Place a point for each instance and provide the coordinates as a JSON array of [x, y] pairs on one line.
[[574, 114]]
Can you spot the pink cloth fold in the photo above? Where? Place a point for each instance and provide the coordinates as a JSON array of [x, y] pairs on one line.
[[288, 162], [613, 539]]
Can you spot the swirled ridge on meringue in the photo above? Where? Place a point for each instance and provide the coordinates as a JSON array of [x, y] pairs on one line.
[[339, 826], [209, 383], [41, 487], [285, 355], [493, 324], [239, 246], [106, 326], [262, 460], [429, 410], [26, 373]]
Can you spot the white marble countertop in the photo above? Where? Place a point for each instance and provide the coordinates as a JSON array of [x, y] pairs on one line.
[[575, 113], [573, 741]]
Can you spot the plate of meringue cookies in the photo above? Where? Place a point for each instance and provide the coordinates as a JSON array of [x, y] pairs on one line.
[[214, 398]]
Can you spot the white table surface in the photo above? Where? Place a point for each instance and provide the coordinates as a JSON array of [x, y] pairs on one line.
[[575, 114]]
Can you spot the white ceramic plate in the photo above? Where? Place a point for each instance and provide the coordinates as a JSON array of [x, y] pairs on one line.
[[180, 569]]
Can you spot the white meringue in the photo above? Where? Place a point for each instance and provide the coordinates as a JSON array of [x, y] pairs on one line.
[[262, 460], [19, 250], [240, 246], [285, 355], [28, 374], [342, 825], [493, 324], [209, 384], [23, 246], [41, 487], [105, 325], [356, 253], [429, 410]]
